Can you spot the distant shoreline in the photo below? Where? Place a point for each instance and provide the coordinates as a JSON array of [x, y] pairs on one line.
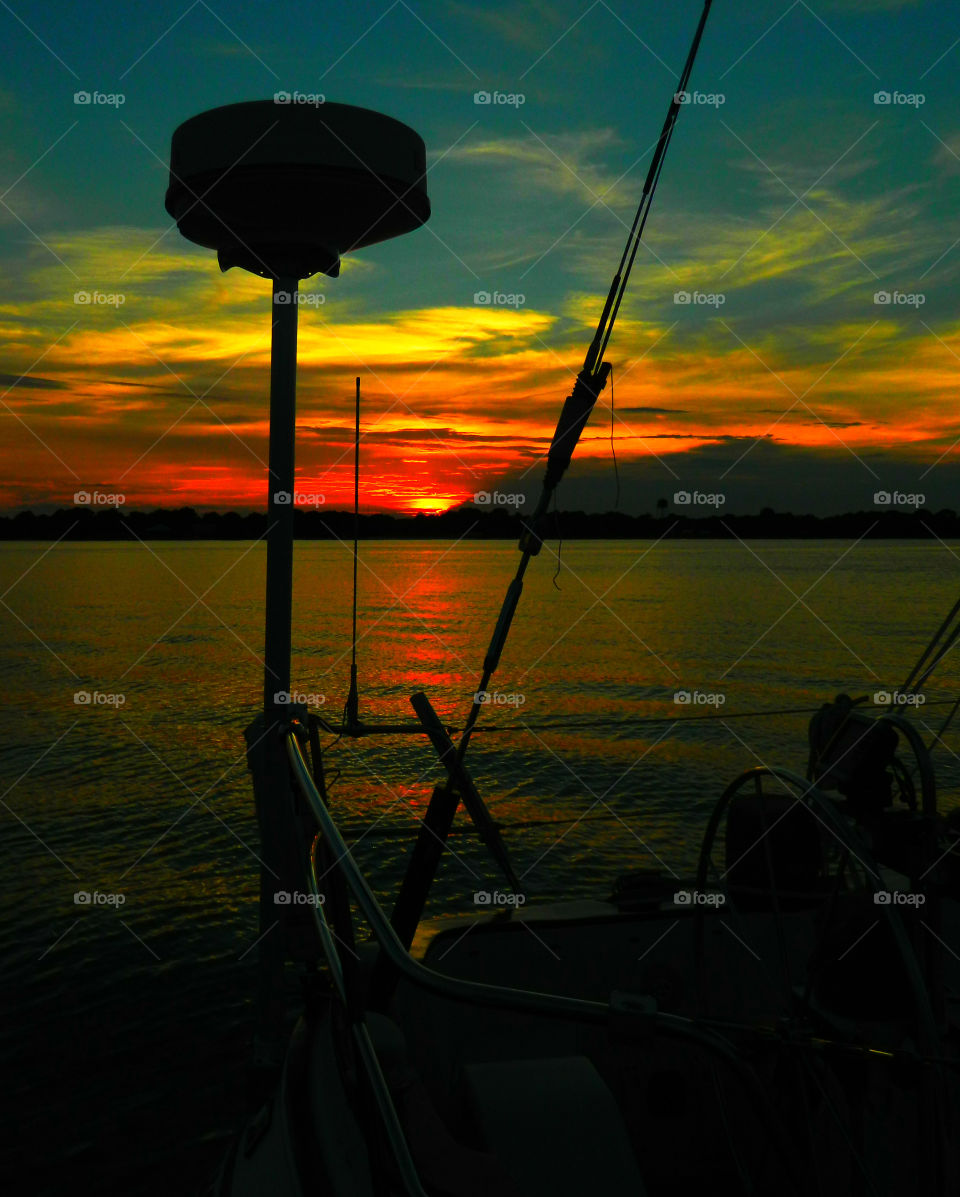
[[83, 523]]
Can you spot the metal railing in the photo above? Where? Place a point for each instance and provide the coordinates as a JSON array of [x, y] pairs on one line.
[[622, 1007], [476, 992]]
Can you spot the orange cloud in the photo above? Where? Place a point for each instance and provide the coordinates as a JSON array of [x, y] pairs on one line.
[[165, 396]]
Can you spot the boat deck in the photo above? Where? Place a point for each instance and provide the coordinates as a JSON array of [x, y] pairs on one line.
[[674, 1094]]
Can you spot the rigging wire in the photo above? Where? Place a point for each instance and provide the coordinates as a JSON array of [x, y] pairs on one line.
[[580, 402], [556, 524], [935, 652], [649, 188], [598, 724], [930, 647], [938, 735], [613, 451]]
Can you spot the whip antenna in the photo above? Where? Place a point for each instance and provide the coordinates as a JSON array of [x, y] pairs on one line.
[[353, 700]]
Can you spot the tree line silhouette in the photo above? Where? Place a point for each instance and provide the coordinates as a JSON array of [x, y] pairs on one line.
[[472, 523]]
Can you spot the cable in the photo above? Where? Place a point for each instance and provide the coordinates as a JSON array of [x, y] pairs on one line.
[[613, 451], [580, 402], [646, 199], [556, 518]]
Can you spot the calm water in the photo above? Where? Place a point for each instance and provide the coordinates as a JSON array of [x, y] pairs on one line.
[[125, 1041]]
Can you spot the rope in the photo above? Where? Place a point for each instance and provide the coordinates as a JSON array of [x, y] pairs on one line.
[[585, 725], [618, 724]]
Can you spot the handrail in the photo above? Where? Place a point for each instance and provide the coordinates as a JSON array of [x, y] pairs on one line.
[[419, 974], [381, 1095], [478, 992]]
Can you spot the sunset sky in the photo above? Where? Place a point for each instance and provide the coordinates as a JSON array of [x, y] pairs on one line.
[[789, 194]]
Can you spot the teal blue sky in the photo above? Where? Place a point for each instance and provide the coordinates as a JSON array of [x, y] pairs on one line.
[[789, 190]]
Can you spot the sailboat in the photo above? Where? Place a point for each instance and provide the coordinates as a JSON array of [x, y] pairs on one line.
[[429, 1063]]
